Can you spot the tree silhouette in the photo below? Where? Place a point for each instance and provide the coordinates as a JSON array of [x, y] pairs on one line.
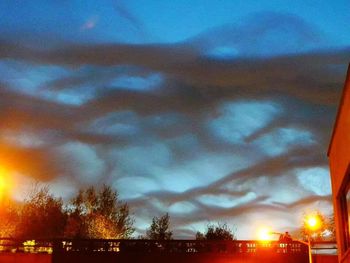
[[216, 232], [159, 229], [9, 217], [99, 214], [331, 227], [42, 215]]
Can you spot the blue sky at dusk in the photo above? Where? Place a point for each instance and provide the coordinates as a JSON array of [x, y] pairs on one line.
[[209, 110]]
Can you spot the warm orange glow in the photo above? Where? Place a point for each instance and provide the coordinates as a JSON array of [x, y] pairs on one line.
[[4, 182], [264, 234], [3, 185], [313, 222]]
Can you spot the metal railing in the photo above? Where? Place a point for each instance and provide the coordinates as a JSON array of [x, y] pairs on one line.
[[149, 246], [26, 246], [324, 248]]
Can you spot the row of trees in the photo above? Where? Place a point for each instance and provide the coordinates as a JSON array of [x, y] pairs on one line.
[[99, 213], [160, 230], [91, 213]]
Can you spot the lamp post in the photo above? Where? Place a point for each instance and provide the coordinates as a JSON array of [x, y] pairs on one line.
[[312, 223]]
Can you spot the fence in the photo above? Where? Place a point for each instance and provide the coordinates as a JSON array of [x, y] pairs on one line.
[[95, 250]]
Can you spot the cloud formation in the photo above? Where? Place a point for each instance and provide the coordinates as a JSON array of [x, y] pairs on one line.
[[179, 127]]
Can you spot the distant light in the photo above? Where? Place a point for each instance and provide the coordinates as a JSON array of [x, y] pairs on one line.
[[264, 234], [313, 222], [4, 182], [29, 246]]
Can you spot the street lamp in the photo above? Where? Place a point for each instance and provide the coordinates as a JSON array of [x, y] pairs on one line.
[[312, 223]]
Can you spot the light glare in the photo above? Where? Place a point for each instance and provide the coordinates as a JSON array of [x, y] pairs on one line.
[[264, 234], [5, 183], [313, 222]]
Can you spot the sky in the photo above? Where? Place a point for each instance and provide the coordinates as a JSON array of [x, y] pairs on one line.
[[212, 111]]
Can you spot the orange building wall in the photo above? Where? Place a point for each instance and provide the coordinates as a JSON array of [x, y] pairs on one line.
[[339, 160], [202, 258], [324, 259], [25, 258]]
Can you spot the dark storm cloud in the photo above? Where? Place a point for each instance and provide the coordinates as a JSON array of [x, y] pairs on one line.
[[288, 74], [206, 214], [20, 111], [183, 99], [92, 76], [253, 77], [305, 85], [211, 213], [173, 197], [304, 201], [261, 24], [300, 158]]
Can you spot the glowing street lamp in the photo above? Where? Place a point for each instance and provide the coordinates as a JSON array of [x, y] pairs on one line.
[[312, 223]]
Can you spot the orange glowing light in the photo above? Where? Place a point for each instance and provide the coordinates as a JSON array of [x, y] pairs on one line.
[[264, 234], [313, 222], [4, 182]]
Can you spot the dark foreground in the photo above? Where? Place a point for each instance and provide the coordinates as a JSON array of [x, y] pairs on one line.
[[152, 251]]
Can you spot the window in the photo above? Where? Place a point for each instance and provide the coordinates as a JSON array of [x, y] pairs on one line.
[[345, 214], [347, 197]]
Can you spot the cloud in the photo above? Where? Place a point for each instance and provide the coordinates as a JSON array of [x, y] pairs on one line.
[[259, 35], [282, 139], [316, 180], [236, 121], [175, 128], [285, 75]]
